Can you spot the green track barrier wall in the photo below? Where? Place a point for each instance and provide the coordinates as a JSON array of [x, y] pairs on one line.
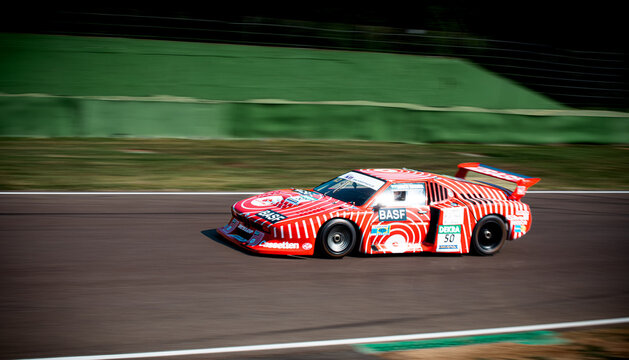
[[78, 74], [77, 117]]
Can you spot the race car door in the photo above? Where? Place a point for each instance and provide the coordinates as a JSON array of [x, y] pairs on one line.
[[401, 219]]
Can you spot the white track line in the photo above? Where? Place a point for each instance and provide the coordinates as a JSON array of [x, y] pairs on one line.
[[326, 343], [255, 193]]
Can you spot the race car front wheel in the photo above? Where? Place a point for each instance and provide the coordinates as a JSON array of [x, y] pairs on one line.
[[489, 235], [336, 238]]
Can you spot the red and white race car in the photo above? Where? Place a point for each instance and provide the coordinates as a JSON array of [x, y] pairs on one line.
[[379, 211]]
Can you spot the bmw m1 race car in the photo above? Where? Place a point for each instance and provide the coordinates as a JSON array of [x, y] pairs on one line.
[[380, 211]]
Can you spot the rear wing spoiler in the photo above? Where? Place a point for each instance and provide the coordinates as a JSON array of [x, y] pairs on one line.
[[522, 182]]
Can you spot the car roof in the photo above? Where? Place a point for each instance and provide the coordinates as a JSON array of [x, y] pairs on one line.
[[398, 175]]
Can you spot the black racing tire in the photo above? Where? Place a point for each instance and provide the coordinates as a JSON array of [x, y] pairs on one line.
[[489, 235], [336, 238]]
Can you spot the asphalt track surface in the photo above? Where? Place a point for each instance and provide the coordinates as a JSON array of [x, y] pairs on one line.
[[110, 274]]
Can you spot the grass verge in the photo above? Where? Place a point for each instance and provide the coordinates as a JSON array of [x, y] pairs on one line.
[[607, 343], [205, 165]]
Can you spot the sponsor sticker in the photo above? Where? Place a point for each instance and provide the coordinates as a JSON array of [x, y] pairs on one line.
[[280, 245], [364, 180], [518, 222], [406, 186], [449, 229], [231, 226], [449, 238], [306, 246], [271, 216], [396, 244], [296, 200], [497, 174], [519, 218], [256, 239], [519, 228], [380, 230], [392, 214], [266, 200], [239, 238], [245, 229], [453, 216], [305, 192]]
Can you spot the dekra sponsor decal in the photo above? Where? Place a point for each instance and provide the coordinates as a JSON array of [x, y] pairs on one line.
[[449, 229]]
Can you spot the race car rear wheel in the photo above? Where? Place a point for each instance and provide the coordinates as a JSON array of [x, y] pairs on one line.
[[489, 235], [336, 238]]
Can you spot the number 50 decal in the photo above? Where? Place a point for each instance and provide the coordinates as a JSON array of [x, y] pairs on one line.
[[449, 238]]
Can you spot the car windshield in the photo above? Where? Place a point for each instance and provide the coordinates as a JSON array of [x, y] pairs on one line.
[[352, 187]]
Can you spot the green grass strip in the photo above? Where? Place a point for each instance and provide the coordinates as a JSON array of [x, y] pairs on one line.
[[527, 338], [127, 164]]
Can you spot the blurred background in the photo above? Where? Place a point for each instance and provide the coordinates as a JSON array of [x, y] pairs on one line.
[[573, 53], [456, 72]]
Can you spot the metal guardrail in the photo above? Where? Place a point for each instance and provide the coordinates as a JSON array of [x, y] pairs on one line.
[[580, 79]]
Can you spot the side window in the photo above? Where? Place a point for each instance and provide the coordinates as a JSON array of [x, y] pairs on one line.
[[403, 195]]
